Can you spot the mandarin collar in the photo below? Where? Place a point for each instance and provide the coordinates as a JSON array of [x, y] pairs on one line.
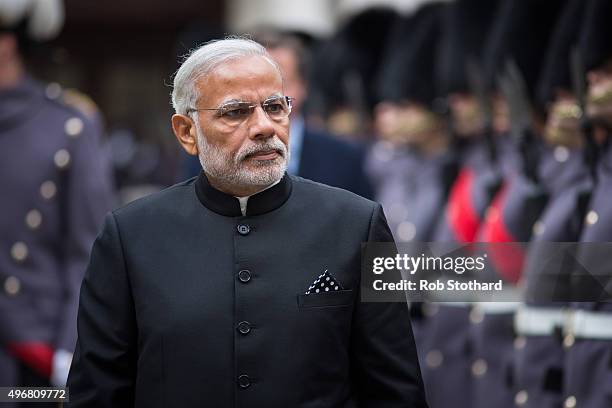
[[229, 206]]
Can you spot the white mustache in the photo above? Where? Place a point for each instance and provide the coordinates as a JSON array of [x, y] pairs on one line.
[[271, 144]]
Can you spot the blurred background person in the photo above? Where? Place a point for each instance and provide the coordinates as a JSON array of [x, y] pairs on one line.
[[56, 189], [314, 154], [344, 73], [564, 175], [513, 72], [411, 164], [588, 333]]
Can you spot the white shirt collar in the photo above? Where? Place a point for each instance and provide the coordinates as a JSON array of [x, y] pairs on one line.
[[243, 200]]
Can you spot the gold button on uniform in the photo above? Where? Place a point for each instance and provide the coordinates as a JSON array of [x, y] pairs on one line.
[[591, 218], [476, 316], [61, 158], [520, 398], [19, 251], [12, 286], [569, 340], [570, 402], [538, 228], [479, 367], [561, 154], [48, 190], [33, 219], [73, 127], [519, 342], [406, 231], [434, 359], [53, 90]]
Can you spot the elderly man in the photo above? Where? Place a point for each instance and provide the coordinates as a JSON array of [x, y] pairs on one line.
[[204, 295]]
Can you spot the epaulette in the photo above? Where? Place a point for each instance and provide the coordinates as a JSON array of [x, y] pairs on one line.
[[73, 99], [78, 109]]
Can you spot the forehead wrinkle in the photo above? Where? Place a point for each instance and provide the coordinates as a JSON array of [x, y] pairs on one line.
[[253, 70], [225, 73]]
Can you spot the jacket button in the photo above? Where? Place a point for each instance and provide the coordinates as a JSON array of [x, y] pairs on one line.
[[479, 367], [61, 159], [243, 229], [570, 402], [520, 342], [561, 154], [33, 219], [244, 381], [569, 340], [476, 316], [592, 217], [244, 327], [244, 275], [12, 285], [73, 127], [521, 398], [434, 359], [19, 251], [48, 189]]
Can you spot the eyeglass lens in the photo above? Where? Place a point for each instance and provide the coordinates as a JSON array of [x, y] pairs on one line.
[[236, 112]]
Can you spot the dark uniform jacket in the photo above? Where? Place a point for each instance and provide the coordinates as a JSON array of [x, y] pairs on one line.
[[55, 191], [187, 303]]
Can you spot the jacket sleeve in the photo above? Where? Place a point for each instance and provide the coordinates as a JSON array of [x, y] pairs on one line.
[[104, 364], [385, 366]]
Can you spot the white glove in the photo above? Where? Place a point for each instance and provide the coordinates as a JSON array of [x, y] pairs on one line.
[[60, 367]]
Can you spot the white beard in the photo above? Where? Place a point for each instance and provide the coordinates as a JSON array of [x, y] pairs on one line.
[[231, 170]]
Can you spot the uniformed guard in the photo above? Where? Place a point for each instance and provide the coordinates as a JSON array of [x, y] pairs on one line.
[[588, 331], [56, 190], [448, 351], [538, 371], [513, 68], [489, 342], [412, 164], [342, 93]]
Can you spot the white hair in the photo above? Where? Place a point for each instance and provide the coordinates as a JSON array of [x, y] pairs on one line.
[[203, 60]]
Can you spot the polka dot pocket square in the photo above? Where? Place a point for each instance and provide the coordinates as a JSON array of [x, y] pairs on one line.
[[325, 282]]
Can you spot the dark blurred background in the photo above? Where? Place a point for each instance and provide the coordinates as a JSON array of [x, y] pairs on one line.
[[122, 55]]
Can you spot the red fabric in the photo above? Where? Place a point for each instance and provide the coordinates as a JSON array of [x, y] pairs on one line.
[[38, 356], [461, 214], [508, 259]]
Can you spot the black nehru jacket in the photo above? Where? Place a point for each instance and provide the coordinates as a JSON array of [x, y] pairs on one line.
[[187, 303]]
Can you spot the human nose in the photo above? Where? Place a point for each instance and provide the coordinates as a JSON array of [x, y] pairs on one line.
[[260, 124]]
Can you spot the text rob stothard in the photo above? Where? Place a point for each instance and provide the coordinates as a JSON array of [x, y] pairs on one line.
[[438, 285]]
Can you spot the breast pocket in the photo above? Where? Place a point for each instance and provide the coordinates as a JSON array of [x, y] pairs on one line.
[[338, 298]]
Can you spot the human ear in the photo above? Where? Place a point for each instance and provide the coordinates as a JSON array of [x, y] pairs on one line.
[[185, 132]]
